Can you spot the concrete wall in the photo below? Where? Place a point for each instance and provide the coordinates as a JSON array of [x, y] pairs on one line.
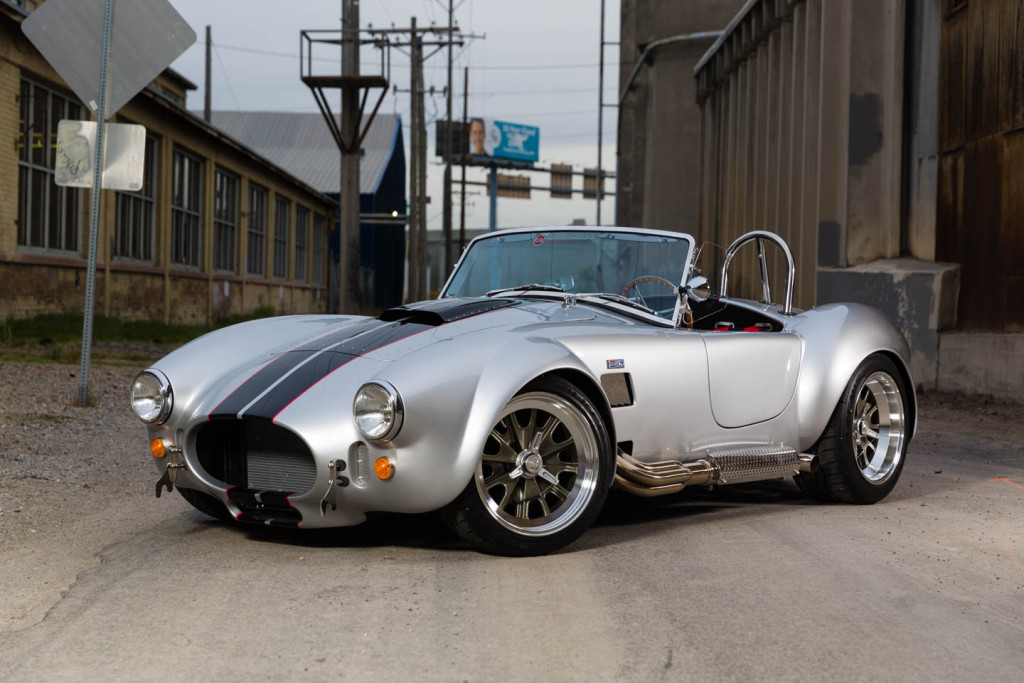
[[32, 283], [659, 124]]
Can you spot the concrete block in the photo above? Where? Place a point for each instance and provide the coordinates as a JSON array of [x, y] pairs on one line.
[[979, 363], [918, 296]]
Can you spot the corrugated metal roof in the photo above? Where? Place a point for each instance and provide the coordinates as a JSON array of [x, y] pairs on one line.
[[302, 145]]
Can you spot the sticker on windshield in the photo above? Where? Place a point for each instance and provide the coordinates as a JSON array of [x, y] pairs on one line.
[[538, 240]]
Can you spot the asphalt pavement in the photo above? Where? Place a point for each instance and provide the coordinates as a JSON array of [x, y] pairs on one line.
[[751, 582]]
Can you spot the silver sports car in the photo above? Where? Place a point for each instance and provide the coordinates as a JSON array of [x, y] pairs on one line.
[[555, 364]]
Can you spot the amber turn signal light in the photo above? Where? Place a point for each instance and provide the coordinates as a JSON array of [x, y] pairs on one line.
[[157, 448], [384, 468]]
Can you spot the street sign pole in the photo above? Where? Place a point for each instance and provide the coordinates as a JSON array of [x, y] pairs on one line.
[[97, 194]]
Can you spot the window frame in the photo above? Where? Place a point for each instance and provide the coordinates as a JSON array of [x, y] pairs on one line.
[[282, 235], [187, 217], [225, 220], [137, 243], [300, 269], [256, 244], [36, 175], [319, 241]]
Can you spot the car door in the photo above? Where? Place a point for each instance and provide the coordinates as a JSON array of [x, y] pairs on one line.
[[752, 376]]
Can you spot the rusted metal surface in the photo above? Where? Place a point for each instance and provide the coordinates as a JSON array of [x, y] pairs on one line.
[[981, 170]]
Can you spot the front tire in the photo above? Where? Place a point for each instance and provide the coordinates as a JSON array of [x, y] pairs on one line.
[[862, 451], [543, 475]]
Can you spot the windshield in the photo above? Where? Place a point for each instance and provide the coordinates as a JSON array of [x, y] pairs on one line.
[[579, 262]]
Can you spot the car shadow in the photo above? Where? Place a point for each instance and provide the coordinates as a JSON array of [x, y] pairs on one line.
[[622, 510]]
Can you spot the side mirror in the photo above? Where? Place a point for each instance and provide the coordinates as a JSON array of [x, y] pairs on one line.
[[697, 289]]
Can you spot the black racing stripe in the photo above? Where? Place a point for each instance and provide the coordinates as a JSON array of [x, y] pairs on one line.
[[258, 383], [280, 366], [441, 311], [312, 372]]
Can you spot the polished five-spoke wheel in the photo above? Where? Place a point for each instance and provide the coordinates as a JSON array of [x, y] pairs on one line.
[[543, 474]]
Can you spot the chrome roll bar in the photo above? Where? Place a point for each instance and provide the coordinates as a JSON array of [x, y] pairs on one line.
[[759, 236]]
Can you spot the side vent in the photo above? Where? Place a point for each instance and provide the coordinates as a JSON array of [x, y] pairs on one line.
[[618, 387]]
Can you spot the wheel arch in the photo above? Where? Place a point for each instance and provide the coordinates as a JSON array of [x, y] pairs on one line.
[[837, 339], [592, 390]]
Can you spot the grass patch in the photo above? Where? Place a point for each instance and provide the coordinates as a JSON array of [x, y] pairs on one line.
[[57, 338]]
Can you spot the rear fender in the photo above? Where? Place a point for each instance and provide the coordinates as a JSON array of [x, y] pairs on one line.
[[837, 339]]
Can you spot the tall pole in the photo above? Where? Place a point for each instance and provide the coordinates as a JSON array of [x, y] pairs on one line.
[[97, 194], [348, 270], [447, 203], [600, 119], [207, 96], [463, 140], [418, 223], [493, 186]]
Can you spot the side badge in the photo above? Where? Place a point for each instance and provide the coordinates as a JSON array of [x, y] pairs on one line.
[[616, 364]]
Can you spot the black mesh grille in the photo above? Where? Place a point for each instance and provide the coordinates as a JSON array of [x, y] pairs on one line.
[[256, 455]]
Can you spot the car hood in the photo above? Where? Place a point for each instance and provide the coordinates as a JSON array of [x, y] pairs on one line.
[[260, 368]]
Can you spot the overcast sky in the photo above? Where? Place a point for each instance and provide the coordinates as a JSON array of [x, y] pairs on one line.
[[537, 66]]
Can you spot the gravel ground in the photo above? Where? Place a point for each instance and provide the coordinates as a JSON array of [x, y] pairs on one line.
[[74, 481]]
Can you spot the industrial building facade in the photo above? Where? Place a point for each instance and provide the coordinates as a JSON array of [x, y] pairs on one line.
[[216, 231], [879, 137]]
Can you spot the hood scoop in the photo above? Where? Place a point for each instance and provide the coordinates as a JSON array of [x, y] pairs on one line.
[[441, 311]]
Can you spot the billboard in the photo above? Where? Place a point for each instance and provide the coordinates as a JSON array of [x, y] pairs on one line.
[[504, 140], [491, 138]]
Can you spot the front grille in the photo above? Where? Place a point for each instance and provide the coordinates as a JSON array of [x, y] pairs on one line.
[[255, 454]]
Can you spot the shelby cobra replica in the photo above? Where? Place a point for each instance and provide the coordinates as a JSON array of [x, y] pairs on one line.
[[555, 364]]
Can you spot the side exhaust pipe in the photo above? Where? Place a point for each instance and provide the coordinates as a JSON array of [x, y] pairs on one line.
[[729, 467]]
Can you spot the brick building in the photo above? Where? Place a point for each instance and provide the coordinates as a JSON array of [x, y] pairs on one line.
[[217, 230]]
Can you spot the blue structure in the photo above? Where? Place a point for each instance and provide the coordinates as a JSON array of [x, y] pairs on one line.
[[302, 145]]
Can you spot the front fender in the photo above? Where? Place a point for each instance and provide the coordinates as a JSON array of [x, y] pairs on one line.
[[447, 420], [837, 339]]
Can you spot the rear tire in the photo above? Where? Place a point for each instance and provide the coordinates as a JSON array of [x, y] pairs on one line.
[[543, 476], [863, 448]]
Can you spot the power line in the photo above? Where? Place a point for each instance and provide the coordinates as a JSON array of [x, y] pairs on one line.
[[504, 67]]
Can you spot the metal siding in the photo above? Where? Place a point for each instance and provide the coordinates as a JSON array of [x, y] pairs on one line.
[[981, 188]]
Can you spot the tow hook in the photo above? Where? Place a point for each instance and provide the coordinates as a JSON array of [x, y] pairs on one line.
[[171, 471], [337, 480]]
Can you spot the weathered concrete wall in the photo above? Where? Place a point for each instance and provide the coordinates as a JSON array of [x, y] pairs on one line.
[[659, 124], [918, 296], [976, 363]]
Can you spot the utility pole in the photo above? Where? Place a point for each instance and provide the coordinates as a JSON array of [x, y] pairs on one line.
[[418, 181], [463, 145], [447, 218], [348, 276], [208, 97]]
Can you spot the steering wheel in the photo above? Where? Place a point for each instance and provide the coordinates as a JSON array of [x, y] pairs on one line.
[[647, 278]]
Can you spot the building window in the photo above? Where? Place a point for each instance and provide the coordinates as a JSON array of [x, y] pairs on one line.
[[225, 220], [301, 238], [186, 208], [318, 249], [49, 217], [282, 209], [257, 246], [136, 213]]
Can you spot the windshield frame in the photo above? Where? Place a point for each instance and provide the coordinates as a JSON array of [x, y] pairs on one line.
[[687, 265]]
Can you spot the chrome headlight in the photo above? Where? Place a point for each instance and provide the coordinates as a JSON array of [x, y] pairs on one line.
[[152, 398], [377, 409]]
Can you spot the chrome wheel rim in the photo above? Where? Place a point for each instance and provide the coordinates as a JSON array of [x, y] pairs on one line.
[[539, 467], [878, 428]]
